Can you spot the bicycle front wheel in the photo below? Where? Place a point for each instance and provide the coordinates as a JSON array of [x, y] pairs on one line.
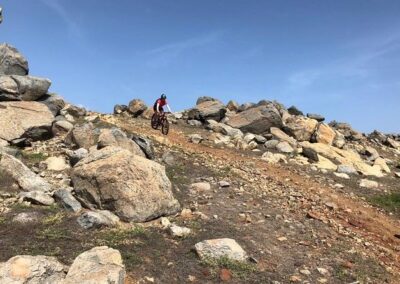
[[165, 127]]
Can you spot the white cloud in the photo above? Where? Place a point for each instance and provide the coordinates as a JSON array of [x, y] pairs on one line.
[[164, 54]]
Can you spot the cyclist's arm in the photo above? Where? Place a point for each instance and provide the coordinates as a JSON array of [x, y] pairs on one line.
[[158, 107], [169, 109]]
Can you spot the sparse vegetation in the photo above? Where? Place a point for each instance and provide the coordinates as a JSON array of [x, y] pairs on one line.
[[389, 202], [33, 158], [239, 269], [53, 219], [117, 237]]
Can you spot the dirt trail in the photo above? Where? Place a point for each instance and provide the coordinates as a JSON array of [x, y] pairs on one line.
[[373, 226]]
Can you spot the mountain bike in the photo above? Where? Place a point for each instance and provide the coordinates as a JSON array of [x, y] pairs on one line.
[[160, 120]]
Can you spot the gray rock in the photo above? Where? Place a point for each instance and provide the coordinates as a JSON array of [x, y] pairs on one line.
[[26, 269], [67, 200], [22, 175], [135, 188], [284, 147], [116, 137], [83, 136], [200, 187], [295, 111], [257, 120], [74, 111], [136, 107], [168, 158], [77, 155], [146, 145], [317, 117], [369, 184], [273, 158], [120, 109], [311, 154], [347, 169], [22, 88], [218, 248], [98, 265], [54, 102], [260, 139], [11, 61], [61, 127], [224, 183], [97, 219], [271, 144], [208, 110], [194, 122], [37, 197], [26, 217], [25, 120], [195, 138], [178, 231]]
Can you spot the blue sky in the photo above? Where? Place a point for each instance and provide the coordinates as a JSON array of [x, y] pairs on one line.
[[340, 58]]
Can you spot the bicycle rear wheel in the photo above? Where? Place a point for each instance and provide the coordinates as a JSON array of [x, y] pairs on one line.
[[154, 121], [165, 127]]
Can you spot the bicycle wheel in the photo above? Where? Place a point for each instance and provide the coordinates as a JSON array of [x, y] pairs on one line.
[[165, 127], [154, 121]]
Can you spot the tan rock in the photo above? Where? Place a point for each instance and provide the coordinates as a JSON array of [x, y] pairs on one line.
[[381, 163], [17, 118], [218, 248], [133, 187], [324, 134], [324, 163], [22, 175], [100, 265], [282, 136], [344, 157], [26, 269], [56, 164], [301, 128]]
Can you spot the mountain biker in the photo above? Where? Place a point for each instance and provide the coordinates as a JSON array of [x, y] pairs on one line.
[[160, 103]]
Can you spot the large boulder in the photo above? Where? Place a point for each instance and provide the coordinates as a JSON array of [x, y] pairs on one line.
[[25, 119], [295, 111], [208, 110], [26, 269], [257, 120], [116, 137], [233, 106], [136, 107], [12, 62], [145, 144], [133, 187], [83, 136], [23, 88], [101, 265], [300, 127], [21, 174], [324, 134], [224, 129]]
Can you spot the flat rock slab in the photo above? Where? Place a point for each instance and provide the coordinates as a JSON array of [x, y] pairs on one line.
[[18, 119]]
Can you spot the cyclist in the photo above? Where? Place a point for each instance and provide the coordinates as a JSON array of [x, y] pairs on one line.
[[160, 103]]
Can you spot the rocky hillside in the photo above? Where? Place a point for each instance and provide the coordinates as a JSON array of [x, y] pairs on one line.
[[252, 193]]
